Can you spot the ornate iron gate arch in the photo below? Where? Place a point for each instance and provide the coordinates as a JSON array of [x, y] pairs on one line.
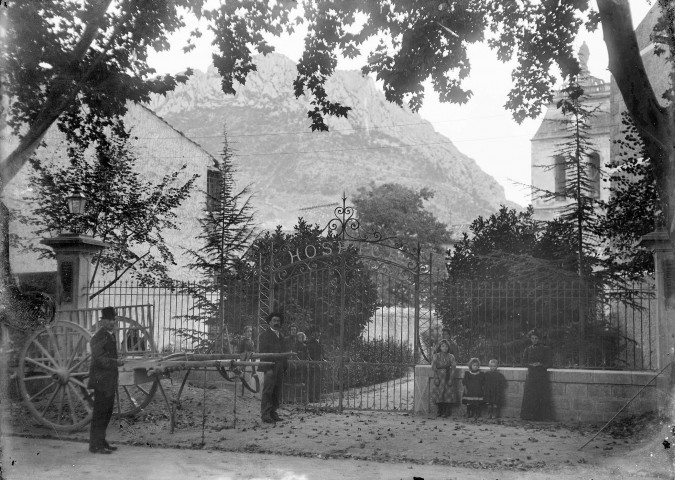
[[361, 275]]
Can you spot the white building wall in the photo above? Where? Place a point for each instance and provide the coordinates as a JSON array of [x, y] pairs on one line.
[[160, 150]]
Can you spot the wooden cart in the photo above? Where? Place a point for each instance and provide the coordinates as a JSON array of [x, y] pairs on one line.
[[54, 367]]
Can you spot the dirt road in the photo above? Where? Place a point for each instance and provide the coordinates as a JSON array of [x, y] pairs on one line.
[[33, 459], [314, 443]]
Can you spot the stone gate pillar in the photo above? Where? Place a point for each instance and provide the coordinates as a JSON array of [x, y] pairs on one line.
[[664, 273], [73, 265]]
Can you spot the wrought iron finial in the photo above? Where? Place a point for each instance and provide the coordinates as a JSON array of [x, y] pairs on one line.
[[345, 226], [344, 221]]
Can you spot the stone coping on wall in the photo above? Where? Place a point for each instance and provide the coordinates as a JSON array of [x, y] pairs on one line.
[[561, 375], [577, 394]]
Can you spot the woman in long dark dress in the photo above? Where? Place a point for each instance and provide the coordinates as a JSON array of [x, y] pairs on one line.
[[537, 393]]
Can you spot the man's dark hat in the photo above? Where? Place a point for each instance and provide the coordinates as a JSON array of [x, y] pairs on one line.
[[275, 314], [108, 313]]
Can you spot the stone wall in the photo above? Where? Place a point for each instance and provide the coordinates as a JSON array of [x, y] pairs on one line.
[[578, 395]]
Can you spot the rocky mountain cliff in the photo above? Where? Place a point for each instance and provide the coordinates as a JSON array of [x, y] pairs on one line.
[[296, 172]]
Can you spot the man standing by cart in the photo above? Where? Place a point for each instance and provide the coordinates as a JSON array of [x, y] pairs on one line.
[[271, 341], [103, 380]]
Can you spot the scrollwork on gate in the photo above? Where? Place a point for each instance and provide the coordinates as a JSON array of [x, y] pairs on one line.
[[344, 242], [346, 226]]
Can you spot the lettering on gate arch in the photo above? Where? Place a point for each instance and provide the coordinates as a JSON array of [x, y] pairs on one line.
[[311, 251], [344, 234], [365, 249]]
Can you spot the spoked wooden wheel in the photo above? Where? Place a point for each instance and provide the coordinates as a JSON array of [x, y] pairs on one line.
[[53, 371], [133, 342]]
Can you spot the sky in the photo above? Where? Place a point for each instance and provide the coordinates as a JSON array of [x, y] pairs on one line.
[[481, 129]]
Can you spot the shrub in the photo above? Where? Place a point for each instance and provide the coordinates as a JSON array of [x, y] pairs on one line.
[[371, 362]]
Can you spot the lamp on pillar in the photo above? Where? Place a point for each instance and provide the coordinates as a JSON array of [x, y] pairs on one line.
[[77, 201], [73, 259]]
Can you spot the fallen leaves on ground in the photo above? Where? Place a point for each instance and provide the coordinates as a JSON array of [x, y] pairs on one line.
[[392, 437]]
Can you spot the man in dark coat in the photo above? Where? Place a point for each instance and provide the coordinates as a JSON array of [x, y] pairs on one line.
[[103, 380], [271, 341]]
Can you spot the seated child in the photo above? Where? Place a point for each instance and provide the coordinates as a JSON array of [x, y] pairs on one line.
[[495, 383], [474, 382]]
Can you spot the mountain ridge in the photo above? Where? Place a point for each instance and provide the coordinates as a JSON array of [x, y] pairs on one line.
[[292, 169]]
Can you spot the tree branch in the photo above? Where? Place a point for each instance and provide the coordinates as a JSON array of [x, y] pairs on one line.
[[117, 277], [58, 99]]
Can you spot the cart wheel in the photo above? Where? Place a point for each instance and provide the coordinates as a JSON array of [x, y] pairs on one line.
[[53, 371], [134, 398], [134, 342]]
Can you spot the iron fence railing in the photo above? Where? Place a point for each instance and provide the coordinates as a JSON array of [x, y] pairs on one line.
[[585, 327], [185, 317]]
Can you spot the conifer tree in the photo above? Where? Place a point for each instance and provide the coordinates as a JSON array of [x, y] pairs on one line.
[[578, 191], [227, 230], [581, 215]]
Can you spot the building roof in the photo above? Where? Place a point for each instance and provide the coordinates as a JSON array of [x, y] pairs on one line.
[[597, 95], [151, 112]]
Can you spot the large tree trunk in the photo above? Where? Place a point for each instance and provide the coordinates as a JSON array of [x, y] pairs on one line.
[[11, 165], [653, 121]]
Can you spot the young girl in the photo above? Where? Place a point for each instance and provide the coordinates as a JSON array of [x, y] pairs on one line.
[[494, 389], [442, 391], [474, 383]]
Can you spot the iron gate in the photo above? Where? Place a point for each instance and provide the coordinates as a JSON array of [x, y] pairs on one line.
[[363, 300]]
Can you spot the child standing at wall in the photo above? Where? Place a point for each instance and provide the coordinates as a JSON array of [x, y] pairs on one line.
[[442, 391], [495, 383], [474, 385]]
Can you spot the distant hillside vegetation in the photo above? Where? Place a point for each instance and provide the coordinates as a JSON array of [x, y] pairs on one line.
[[291, 168]]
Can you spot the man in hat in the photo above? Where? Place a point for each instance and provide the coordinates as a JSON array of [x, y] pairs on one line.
[[271, 341], [103, 380]]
